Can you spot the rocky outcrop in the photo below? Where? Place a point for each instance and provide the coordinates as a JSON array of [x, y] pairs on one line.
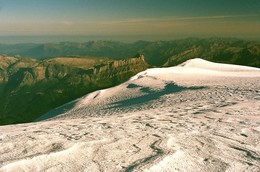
[[131, 64]]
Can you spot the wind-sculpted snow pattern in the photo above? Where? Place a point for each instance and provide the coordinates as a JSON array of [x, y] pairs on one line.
[[199, 116]]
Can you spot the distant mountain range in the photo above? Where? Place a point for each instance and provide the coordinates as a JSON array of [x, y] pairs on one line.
[[58, 73], [157, 53]]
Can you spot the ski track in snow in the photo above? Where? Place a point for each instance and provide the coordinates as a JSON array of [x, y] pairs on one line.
[[175, 119]]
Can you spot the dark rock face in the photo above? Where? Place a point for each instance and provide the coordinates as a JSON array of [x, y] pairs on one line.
[[29, 87]]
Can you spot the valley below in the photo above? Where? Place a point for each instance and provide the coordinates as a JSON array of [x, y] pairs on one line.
[[198, 116]]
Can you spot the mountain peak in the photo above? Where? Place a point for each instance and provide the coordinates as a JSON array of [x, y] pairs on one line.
[[204, 64]]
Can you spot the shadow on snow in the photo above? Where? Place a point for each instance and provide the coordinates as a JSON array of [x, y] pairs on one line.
[[151, 95]]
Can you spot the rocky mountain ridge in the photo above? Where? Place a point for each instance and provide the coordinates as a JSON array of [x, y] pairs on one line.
[[26, 83]]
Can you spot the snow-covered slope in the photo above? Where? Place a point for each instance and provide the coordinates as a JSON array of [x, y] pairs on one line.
[[198, 116], [148, 86]]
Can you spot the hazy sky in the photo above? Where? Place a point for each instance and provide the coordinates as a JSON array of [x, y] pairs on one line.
[[130, 17]]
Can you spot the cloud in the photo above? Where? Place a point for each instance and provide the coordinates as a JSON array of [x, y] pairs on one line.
[[216, 17], [174, 19]]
